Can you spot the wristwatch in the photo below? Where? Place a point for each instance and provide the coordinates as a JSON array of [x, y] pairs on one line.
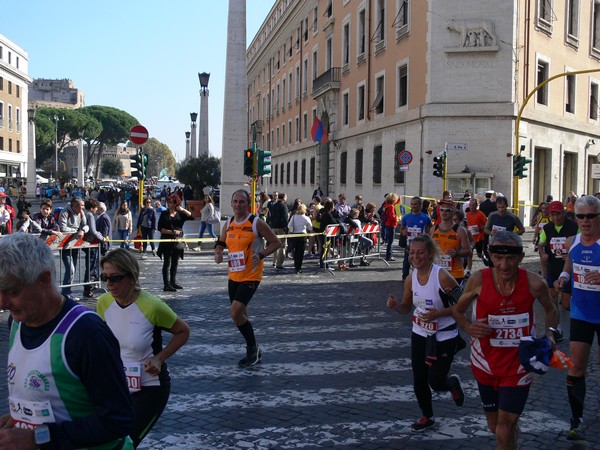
[[261, 255], [42, 435]]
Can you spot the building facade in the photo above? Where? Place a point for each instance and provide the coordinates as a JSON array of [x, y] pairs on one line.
[[388, 76], [56, 94], [14, 94]]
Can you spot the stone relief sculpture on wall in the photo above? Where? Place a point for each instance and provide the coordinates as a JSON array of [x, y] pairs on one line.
[[474, 34]]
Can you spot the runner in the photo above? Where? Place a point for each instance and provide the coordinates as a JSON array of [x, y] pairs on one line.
[[582, 269], [501, 295], [243, 238], [434, 338], [413, 224], [476, 220]]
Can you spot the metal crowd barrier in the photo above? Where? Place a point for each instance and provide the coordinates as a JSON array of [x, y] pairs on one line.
[[341, 246]]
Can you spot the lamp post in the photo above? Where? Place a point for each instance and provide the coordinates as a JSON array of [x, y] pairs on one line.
[[187, 144], [193, 116], [56, 119], [31, 154], [203, 132]]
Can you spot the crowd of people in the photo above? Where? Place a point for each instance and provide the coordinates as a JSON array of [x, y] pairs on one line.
[[439, 240]]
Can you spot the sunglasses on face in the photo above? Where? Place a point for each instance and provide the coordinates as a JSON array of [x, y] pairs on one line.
[[112, 278], [587, 216], [446, 210]]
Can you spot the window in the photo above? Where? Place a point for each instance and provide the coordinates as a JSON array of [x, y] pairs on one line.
[[346, 45], [596, 27], [288, 175], [343, 167], [277, 141], [281, 174], [303, 172], [378, 103], [377, 164], [593, 101], [10, 87], [329, 54], [1, 84], [18, 119], [18, 146], [315, 19], [276, 167], [297, 129], [358, 165], [297, 82], [295, 172], [361, 40], [573, 21], [289, 132], [283, 141], [345, 109], [1, 143], [9, 141], [545, 14], [305, 77], [18, 89], [398, 175], [570, 94], [312, 170], [401, 19], [402, 85], [277, 91], [315, 64], [284, 92], [361, 102], [305, 126], [329, 9], [379, 35], [542, 75], [290, 84]]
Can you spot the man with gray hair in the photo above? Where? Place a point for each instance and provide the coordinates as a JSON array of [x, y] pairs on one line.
[[503, 297], [71, 220], [104, 227], [66, 385]]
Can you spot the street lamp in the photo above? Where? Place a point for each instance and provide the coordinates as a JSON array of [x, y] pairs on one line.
[[56, 119], [203, 77], [193, 116], [187, 144], [203, 125]]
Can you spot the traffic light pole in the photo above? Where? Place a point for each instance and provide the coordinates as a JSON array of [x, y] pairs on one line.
[[518, 122], [254, 178], [445, 178]]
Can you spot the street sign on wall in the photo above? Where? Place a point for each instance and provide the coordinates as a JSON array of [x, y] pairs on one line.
[[596, 171], [138, 135], [456, 146]]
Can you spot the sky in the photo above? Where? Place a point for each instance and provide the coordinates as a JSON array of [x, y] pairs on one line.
[[141, 56]]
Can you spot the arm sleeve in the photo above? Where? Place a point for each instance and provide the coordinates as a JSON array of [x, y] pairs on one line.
[[93, 231], [63, 222], [94, 357]]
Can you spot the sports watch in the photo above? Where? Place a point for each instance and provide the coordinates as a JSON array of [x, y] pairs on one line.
[[42, 435]]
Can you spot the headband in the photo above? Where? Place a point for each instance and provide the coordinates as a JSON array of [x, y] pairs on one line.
[[506, 249]]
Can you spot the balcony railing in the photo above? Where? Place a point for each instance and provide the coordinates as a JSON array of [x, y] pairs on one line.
[[330, 79]]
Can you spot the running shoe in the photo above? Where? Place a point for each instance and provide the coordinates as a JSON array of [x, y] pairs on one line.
[[88, 294], [422, 424], [576, 433], [253, 356], [456, 389]]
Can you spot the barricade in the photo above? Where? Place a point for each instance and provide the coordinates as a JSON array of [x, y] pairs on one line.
[[342, 245], [79, 258]]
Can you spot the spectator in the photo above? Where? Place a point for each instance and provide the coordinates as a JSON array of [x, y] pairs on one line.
[[146, 222], [104, 227], [71, 219], [389, 222], [342, 208], [279, 220], [123, 223], [299, 223], [92, 255]]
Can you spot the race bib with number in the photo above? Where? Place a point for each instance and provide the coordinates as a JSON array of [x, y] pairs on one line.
[[507, 330], [474, 229], [28, 414], [579, 277], [133, 373], [430, 327], [558, 246], [498, 228], [413, 232], [236, 260], [446, 261]]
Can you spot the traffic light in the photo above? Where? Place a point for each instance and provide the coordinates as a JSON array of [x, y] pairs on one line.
[[145, 166], [249, 162], [520, 166], [439, 165], [264, 162], [136, 165]]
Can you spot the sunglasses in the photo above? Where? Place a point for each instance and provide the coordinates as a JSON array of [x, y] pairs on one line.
[[587, 216], [446, 209], [112, 278]]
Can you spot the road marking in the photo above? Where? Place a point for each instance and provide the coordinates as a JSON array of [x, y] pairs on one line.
[[350, 434]]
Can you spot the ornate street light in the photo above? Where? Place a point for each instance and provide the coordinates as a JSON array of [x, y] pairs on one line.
[[203, 77]]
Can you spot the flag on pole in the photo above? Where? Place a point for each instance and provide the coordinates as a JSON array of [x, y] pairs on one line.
[[318, 132]]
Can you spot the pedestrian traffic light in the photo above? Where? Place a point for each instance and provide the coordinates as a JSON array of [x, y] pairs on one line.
[[249, 162], [439, 165], [264, 162], [136, 165], [521, 166], [145, 166]]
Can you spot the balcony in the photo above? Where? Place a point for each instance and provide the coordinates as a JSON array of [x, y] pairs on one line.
[[257, 125], [328, 80]]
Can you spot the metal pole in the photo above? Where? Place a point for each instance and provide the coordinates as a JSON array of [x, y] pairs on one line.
[[56, 144], [254, 178]]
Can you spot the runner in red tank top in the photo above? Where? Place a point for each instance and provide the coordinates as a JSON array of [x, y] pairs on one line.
[[503, 300]]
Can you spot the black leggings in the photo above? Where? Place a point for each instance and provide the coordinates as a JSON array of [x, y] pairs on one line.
[[426, 378], [299, 243], [148, 405], [169, 268]]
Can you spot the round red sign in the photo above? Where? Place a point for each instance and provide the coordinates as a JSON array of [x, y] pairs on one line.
[[405, 157], [138, 135]]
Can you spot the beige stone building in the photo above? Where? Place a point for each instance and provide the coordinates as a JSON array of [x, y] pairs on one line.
[[14, 82], [387, 76], [60, 93]]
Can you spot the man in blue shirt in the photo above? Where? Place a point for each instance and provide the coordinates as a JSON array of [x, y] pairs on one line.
[[415, 223]]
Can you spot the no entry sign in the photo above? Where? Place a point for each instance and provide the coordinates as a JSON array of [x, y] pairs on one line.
[[138, 135]]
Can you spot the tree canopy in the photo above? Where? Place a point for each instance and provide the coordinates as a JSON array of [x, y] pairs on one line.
[[200, 172], [159, 157]]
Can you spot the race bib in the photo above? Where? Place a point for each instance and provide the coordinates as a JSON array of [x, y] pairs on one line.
[[474, 229], [236, 260], [507, 330], [133, 373], [579, 277], [446, 261], [430, 327], [413, 232], [28, 414], [558, 246], [498, 228]]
